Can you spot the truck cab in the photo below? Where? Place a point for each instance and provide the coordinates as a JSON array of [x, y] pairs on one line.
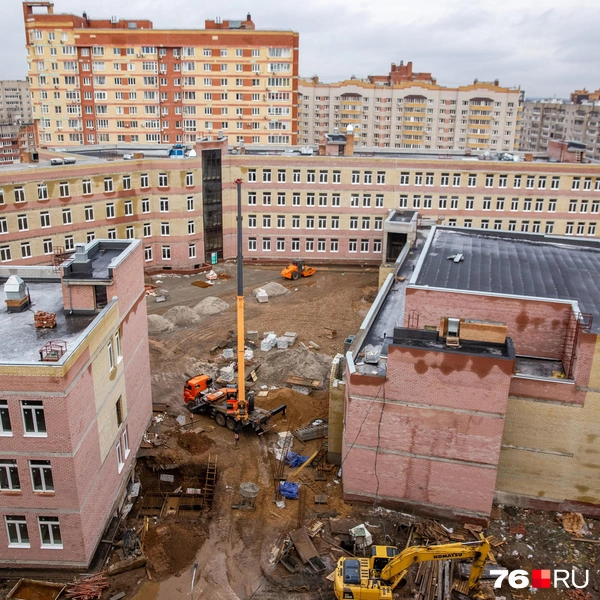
[[196, 386]]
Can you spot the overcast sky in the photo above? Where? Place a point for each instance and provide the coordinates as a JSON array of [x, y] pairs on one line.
[[547, 47]]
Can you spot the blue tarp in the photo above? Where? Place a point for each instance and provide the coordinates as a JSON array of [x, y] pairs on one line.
[[295, 460], [289, 490]]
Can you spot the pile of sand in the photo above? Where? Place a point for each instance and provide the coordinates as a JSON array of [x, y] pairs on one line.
[[182, 316], [273, 289], [210, 306], [158, 324]]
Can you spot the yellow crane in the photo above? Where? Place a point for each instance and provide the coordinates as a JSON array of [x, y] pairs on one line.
[[375, 578]]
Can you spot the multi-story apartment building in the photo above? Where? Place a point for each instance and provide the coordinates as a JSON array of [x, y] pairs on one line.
[[15, 101], [16, 140], [546, 120], [75, 402], [98, 81], [410, 110], [319, 208]]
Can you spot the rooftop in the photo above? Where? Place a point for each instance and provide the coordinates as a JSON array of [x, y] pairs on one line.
[[516, 264], [25, 340]]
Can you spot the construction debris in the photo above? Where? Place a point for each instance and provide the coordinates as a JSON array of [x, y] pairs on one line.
[[32, 588], [125, 565], [573, 523], [44, 320], [88, 588]]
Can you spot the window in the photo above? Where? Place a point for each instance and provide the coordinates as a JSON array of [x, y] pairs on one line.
[[86, 185], [110, 210], [144, 180], [555, 183], [472, 181], [353, 222], [530, 184], [595, 206], [310, 222], [19, 194], [517, 182], [145, 205], [165, 228], [266, 221], [576, 183], [469, 203], [310, 245], [126, 182], [163, 180], [512, 225], [498, 224], [499, 204], [42, 190], [266, 198], [336, 177], [502, 182], [34, 421], [50, 532], [89, 213], [352, 245], [69, 242], [368, 178], [310, 177], [418, 178], [41, 475], [456, 180], [22, 222], [310, 199], [527, 205], [164, 205], [166, 252], [572, 206], [251, 198], [128, 206], [266, 176], [64, 189], [281, 176], [525, 226], [67, 218], [592, 229], [580, 228], [366, 223], [251, 244], [16, 528], [487, 204], [45, 219], [108, 184], [266, 244], [9, 475], [404, 178], [403, 201], [5, 426]]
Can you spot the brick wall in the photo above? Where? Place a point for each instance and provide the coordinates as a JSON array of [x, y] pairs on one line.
[[435, 424]]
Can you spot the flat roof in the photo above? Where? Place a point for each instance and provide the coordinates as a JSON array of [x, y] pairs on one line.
[[516, 264], [25, 340]]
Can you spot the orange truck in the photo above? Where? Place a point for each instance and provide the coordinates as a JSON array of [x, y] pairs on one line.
[[201, 397]]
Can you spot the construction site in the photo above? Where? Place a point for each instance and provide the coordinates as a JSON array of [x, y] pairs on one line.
[[226, 512]]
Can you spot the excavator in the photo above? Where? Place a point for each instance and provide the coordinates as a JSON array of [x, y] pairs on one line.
[[376, 577], [297, 268]]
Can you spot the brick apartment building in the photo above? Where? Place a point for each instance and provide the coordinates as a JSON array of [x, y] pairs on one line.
[[486, 387], [108, 80], [317, 208], [411, 110], [75, 402], [15, 101]]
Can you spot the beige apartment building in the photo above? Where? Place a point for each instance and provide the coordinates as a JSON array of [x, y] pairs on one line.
[[547, 120], [411, 111], [15, 102], [118, 81]]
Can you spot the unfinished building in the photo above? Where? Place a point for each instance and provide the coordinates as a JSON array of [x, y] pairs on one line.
[[487, 387], [75, 401]]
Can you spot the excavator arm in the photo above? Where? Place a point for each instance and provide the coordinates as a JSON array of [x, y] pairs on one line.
[[396, 569]]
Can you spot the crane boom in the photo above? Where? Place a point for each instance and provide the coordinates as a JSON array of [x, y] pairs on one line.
[[242, 404]]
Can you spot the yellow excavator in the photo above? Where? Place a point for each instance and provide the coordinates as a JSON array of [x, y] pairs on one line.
[[375, 578]]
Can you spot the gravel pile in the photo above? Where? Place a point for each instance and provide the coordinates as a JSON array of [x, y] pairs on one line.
[[273, 289], [158, 324], [182, 316], [210, 306]]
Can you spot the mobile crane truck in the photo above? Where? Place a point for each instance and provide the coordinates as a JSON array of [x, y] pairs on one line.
[[229, 406], [376, 577]]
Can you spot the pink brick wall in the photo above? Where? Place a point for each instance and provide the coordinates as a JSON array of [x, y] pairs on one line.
[[536, 327], [436, 426], [78, 297]]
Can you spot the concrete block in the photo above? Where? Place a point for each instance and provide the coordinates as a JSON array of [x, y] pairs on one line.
[[252, 334]]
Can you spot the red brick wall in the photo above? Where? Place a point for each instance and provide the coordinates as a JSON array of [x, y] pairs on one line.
[[436, 426], [536, 327]]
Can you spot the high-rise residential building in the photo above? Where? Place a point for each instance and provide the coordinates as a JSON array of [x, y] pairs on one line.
[[410, 110], [15, 102], [74, 404], [107, 81], [545, 120]]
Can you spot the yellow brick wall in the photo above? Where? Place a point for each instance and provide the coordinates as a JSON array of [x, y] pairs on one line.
[[571, 432]]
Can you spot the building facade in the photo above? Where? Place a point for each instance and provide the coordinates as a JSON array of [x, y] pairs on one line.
[[503, 405], [317, 208], [410, 110], [108, 81], [547, 120], [75, 402], [15, 101]]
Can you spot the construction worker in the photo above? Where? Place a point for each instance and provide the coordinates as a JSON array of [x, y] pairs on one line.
[[236, 437]]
